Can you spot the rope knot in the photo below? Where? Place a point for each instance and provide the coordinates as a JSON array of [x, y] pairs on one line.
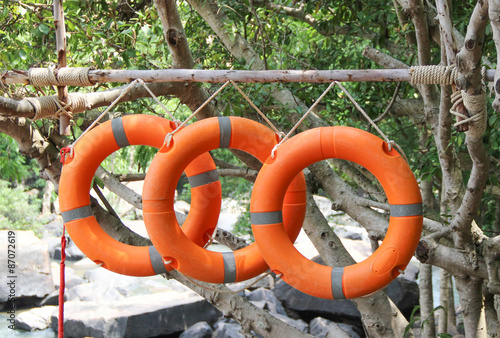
[[476, 106], [168, 139], [65, 151], [273, 152]]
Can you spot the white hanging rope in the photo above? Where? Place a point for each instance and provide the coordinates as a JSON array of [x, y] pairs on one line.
[[390, 143], [114, 103], [168, 137], [276, 130], [303, 118]]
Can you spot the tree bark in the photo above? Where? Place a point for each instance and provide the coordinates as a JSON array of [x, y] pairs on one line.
[[426, 301]]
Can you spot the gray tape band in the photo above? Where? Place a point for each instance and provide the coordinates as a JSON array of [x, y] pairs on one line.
[[229, 267], [78, 213], [337, 292], [401, 210], [156, 261], [271, 217], [203, 178], [225, 131], [119, 132]]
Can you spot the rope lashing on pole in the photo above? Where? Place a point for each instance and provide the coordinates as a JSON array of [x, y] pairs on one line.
[[433, 74], [48, 106], [64, 76]]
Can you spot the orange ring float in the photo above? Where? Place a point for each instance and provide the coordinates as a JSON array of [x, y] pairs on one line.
[[74, 197], [158, 199], [401, 188]]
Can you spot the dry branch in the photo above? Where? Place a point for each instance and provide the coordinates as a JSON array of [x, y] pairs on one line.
[[240, 76]]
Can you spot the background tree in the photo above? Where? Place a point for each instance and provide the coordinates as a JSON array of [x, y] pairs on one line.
[[458, 170]]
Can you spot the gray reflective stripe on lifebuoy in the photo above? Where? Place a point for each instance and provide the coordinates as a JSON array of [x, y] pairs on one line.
[[337, 292], [402, 210], [203, 178], [270, 217], [78, 213], [225, 131], [156, 261], [229, 267], [119, 132]]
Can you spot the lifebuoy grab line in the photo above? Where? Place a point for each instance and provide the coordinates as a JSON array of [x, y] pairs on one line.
[[173, 245], [398, 182], [74, 197]]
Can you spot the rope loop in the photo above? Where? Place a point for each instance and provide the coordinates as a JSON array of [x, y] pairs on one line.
[[476, 106]]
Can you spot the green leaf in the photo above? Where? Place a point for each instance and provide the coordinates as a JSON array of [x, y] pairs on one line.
[[99, 182], [44, 29], [22, 54]]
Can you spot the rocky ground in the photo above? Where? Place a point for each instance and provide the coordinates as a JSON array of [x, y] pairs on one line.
[[99, 303]]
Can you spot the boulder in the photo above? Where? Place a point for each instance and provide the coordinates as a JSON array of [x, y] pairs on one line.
[[404, 293], [198, 330], [35, 319], [266, 299], [53, 298], [254, 283], [298, 324], [310, 307], [321, 327], [31, 278], [73, 253], [70, 277], [227, 330], [96, 291], [139, 316]]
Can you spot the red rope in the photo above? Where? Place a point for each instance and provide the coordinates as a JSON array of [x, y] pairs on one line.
[[62, 283]]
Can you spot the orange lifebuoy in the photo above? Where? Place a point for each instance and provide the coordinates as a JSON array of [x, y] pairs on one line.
[[74, 198], [158, 199], [401, 188]]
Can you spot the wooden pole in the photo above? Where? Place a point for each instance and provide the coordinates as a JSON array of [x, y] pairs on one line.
[[241, 76], [62, 91]]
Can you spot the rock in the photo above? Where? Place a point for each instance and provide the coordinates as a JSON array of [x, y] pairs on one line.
[[311, 307], [298, 324], [198, 330], [321, 327], [54, 228], [96, 291], [111, 278], [31, 276], [70, 277], [254, 283], [269, 299], [35, 319], [411, 272], [227, 330], [405, 294], [73, 253], [140, 316], [53, 298]]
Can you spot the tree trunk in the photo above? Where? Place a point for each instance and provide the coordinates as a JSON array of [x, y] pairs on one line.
[[47, 198], [472, 306], [426, 301], [444, 301]]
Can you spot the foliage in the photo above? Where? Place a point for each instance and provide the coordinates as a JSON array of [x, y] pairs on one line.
[[18, 210], [414, 318]]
